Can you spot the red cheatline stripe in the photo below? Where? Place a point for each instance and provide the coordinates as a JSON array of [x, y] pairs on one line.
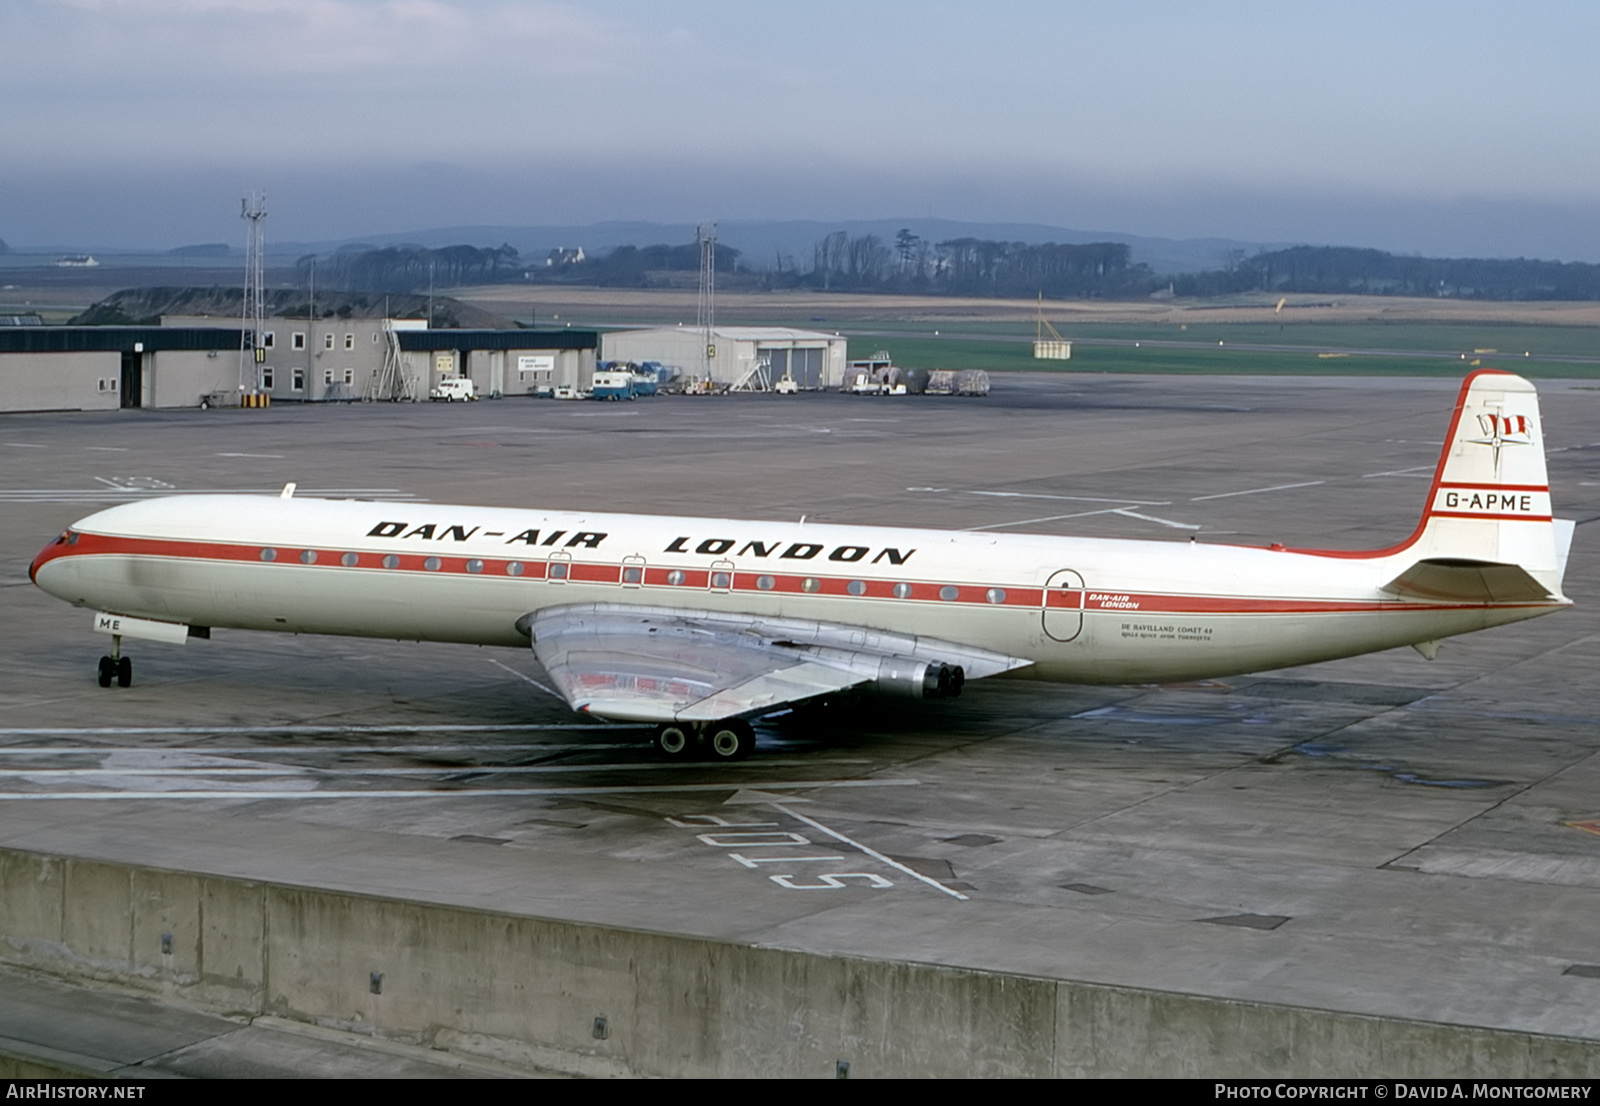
[[1490, 518], [1490, 486], [1096, 600]]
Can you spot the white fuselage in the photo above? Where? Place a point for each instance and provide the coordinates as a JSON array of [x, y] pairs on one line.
[[1082, 610]]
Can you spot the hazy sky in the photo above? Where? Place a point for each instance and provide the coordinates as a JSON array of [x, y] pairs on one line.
[[1456, 128]]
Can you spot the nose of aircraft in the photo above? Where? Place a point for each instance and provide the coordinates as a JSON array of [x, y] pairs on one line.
[[49, 553]]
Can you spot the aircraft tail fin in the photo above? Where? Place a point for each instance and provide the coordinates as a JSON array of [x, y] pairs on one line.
[[1489, 507]]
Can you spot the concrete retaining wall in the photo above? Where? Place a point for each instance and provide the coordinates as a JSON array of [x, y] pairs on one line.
[[529, 991]]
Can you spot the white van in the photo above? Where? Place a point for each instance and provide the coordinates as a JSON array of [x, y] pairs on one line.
[[452, 388]]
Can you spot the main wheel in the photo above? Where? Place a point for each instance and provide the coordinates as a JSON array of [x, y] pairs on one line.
[[108, 671], [673, 741], [125, 672], [730, 740]]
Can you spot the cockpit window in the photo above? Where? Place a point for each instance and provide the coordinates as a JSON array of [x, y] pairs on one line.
[[68, 537]]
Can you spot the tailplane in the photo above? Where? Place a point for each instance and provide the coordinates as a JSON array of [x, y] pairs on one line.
[[1488, 532]]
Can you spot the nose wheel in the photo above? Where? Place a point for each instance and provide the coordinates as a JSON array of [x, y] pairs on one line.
[[116, 667], [119, 669]]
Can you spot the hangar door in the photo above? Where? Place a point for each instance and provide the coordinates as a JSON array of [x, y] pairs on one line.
[[804, 365], [132, 380]]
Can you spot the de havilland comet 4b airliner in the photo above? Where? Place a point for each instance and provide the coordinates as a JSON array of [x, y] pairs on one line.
[[698, 625]]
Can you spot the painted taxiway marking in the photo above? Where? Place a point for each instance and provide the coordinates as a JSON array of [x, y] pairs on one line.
[[312, 750], [752, 861], [508, 727], [117, 493], [1152, 518], [1050, 518], [444, 770], [875, 854], [529, 679], [261, 456], [1254, 491], [27, 445], [1414, 470], [1124, 511], [1074, 498], [478, 793], [122, 483]]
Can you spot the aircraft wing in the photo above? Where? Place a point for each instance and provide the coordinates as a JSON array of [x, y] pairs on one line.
[[652, 664]]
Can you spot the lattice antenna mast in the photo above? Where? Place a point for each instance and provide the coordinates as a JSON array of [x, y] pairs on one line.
[[706, 307], [1043, 324], [252, 337]]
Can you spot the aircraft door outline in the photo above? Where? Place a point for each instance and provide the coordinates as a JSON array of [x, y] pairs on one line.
[[633, 568], [1063, 605]]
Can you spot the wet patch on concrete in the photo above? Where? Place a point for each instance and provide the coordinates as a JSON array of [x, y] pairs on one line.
[[1249, 921]]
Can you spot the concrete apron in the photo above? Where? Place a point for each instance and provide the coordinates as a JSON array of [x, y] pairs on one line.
[[599, 1000]]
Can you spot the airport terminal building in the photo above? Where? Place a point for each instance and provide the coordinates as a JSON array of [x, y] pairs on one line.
[[193, 359]]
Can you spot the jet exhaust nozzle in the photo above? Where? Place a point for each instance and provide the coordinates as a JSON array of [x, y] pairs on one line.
[[908, 678]]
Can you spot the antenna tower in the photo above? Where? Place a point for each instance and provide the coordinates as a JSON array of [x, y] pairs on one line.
[[706, 308], [1053, 348], [252, 336]]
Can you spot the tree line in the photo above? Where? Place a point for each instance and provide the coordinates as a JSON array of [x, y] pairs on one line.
[[1342, 269], [972, 267], [407, 268]]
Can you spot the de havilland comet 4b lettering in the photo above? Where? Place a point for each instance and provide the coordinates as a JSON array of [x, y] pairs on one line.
[[699, 625]]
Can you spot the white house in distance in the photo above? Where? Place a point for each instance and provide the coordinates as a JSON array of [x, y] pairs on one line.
[[812, 358]]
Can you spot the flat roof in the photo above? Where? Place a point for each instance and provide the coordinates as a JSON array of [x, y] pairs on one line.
[[122, 339], [749, 333], [429, 340], [115, 339]]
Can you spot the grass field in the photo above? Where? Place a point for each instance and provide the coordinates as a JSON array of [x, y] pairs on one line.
[[1417, 349], [1358, 335]]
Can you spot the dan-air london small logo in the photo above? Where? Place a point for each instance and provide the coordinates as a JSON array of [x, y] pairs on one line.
[[1503, 430]]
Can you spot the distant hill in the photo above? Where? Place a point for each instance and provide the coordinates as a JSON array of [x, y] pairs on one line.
[[208, 249], [145, 306]]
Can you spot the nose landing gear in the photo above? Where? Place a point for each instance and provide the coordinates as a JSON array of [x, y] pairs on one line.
[[116, 667]]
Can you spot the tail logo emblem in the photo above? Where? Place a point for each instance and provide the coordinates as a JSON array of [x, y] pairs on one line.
[[1502, 430]]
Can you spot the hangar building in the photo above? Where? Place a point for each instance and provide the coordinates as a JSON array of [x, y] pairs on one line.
[[71, 368], [814, 359]]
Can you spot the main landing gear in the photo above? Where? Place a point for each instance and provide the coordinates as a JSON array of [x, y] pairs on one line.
[[724, 741], [116, 667]]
